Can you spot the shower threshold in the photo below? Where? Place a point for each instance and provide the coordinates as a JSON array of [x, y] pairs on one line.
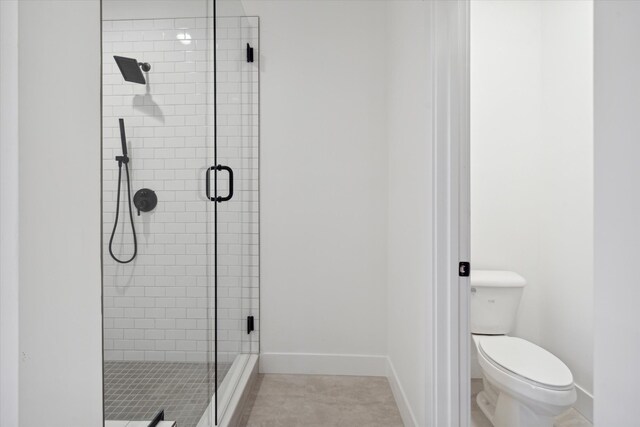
[[138, 424], [233, 392]]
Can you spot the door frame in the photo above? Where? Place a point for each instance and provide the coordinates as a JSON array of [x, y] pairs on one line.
[[450, 391], [9, 214]]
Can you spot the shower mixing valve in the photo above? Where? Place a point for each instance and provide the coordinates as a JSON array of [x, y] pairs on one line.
[[145, 200]]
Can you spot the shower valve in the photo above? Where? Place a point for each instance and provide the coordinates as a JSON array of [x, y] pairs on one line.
[[145, 200]]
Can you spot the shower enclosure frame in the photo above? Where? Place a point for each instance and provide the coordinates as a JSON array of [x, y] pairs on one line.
[[229, 394]]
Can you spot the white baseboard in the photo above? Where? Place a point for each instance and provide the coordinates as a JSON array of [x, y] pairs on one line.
[[323, 364], [408, 418], [584, 404]]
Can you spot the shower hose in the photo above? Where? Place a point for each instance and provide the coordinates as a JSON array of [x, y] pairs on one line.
[[125, 160]]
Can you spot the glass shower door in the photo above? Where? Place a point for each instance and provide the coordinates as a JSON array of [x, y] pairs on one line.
[[234, 199], [182, 317]]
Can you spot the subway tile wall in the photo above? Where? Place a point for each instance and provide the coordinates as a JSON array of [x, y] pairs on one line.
[[160, 307]]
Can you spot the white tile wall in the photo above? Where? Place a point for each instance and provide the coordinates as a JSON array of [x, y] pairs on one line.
[[160, 307]]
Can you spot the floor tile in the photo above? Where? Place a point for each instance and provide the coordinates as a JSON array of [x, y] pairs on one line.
[[137, 390], [320, 400]]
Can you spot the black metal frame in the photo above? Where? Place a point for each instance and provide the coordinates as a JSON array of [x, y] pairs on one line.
[[215, 211]]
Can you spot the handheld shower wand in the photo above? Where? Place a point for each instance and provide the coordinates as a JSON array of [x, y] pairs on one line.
[[123, 140], [124, 159]]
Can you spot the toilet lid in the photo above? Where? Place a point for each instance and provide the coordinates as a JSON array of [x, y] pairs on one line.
[[527, 360]]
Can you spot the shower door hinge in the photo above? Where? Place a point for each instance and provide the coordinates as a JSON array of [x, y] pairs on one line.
[[249, 53], [464, 268], [250, 324]]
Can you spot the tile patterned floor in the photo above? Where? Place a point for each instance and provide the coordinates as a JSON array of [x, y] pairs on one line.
[[320, 400], [571, 418], [138, 390]]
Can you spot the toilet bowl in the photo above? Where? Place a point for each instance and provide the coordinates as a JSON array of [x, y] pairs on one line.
[[524, 385]]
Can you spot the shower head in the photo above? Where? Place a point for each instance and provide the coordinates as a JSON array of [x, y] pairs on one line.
[[130, 69]]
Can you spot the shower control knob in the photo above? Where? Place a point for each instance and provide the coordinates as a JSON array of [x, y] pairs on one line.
[[145, 200]]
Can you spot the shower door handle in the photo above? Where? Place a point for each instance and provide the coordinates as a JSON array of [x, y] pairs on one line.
[[216, 198], [230, 195]]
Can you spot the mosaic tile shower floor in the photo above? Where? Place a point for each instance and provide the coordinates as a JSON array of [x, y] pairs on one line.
[[138, 390]]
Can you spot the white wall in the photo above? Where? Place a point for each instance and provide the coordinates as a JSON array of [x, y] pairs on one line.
[[154, 9], [506, 99], [9, 288], [617, 131], [323, 178], [409, 207], [532, 167], [59, 171], [345, 158], [566, 207]]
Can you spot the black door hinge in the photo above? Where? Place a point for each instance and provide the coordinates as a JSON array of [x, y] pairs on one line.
[[249, 53], [250, 324], [464, 268]]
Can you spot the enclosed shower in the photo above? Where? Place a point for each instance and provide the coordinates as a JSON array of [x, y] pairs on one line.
[[181, 319]]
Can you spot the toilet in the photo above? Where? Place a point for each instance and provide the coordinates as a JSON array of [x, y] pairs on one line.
[[524, 385]]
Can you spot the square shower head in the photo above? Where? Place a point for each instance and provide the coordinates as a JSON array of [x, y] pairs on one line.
[[130, 69]]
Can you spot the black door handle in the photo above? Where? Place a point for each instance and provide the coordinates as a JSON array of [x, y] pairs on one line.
[[216, 198], [230, 195]]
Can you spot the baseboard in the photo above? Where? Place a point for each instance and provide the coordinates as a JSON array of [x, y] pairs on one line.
[[408, 418], [584, 404], [323, 364]]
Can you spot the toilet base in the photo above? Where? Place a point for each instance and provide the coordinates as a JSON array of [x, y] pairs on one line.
[[511, 412], [485, 405], [503, 410]]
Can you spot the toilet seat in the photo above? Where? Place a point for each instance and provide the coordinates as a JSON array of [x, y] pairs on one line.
[[526, 361], [517, 384]]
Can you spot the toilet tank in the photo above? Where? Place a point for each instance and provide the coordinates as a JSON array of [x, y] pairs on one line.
[[495, 296]]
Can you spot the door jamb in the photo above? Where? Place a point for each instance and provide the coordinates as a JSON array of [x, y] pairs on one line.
[[9, 214], [450, 351]]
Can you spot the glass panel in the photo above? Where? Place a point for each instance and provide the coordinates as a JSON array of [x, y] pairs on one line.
[[238, 238], [157, 330], [236, 249]]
